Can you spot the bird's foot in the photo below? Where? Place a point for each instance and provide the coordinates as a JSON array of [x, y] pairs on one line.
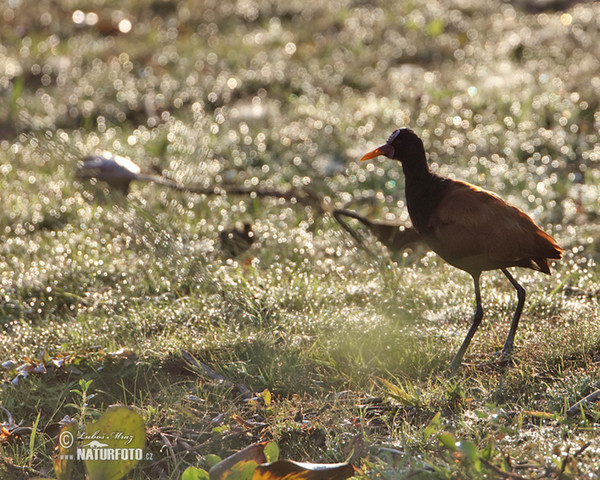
[[453, 367], [500, 359]]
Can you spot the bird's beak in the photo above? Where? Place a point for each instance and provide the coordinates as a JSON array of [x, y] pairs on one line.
[[386, 150]]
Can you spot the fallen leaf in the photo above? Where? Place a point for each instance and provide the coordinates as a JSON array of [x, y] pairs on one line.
[[193, 473], [119, 433], [447, 439], [271, 451], [288, 470], [249, 457], [65, 451]]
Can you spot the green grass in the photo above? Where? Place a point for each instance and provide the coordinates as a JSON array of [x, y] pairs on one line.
[[353, 347]]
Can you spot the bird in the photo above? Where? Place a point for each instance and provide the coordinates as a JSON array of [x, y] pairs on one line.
[[470, 228], [115, 170], [118, 172], [235, 240]]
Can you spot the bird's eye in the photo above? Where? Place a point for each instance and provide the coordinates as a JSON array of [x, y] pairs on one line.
[[393, 136]]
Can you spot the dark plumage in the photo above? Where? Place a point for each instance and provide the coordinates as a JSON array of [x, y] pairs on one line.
[[469, 227], [235, 241]]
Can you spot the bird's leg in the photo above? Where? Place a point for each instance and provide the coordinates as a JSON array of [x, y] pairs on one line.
[[476, 321], [508, 345]]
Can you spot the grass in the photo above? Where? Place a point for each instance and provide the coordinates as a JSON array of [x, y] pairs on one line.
[[102, 287]]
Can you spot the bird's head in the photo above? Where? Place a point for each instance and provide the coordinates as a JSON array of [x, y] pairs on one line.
[[402, 144]]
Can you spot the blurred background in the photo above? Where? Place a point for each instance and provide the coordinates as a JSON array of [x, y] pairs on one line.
[[504, 94], [272, 104]]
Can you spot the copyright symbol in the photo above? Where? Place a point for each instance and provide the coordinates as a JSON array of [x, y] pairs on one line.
[[66, 439]]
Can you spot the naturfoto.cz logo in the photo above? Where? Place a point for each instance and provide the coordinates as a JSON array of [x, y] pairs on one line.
[[97, 449]]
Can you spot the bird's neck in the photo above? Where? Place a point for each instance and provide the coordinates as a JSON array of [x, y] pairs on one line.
[[416, 170], [424, 191]]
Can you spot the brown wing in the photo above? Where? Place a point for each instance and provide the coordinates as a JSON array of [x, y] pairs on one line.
[[476, 230]]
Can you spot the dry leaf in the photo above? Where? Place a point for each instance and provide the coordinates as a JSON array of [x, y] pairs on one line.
[[288, 470], [249, 457]]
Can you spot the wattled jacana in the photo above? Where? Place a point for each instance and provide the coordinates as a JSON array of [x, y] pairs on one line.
[[235, 241], [470, 228]]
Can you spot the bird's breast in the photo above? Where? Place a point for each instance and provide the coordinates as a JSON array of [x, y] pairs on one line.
[[422, 200]]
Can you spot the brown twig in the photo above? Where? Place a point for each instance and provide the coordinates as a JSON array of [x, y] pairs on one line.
[[591, 398], [303, 196], [582, 449], [499, 471], [169, 446]]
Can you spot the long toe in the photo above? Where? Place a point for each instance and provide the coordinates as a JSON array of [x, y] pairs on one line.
[[506, 358], [451, 370], [507, 349], [499, 361]]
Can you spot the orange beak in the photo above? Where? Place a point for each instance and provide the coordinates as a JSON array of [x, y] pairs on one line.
[[385, 150]]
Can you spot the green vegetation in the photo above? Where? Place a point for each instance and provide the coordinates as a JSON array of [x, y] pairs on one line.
[[348, 349]]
